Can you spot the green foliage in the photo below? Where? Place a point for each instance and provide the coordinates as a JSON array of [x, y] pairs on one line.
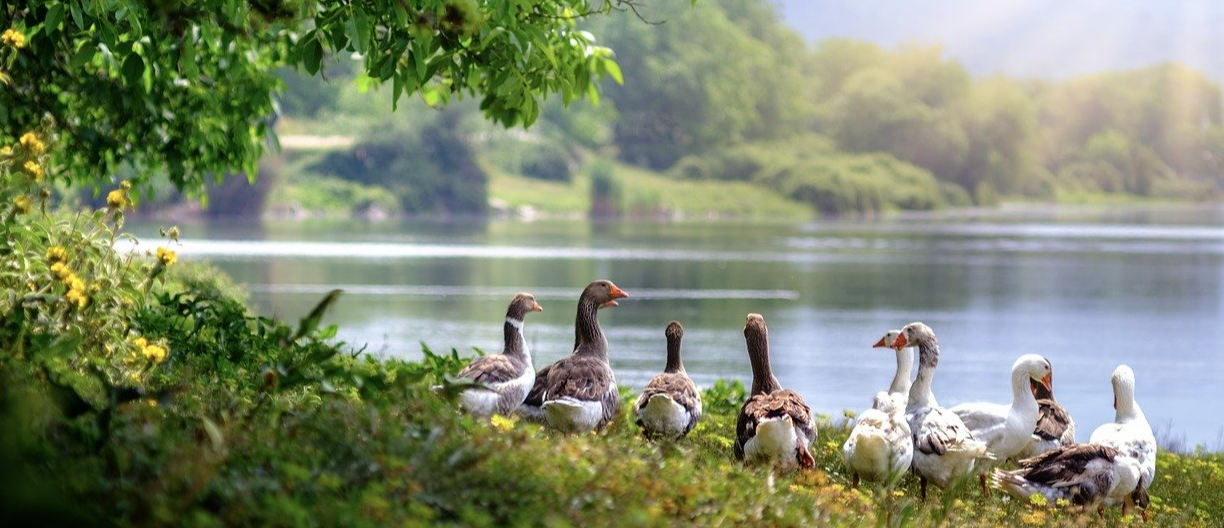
[[548, 162], [429, 167], [607, 196], [186, 89], [329, 196]]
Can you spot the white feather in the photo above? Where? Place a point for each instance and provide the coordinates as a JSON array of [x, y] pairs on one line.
[[663, 416], [571, 415], [775, 442]]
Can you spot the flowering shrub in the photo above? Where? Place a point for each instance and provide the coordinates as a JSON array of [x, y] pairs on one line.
[[67, 293]]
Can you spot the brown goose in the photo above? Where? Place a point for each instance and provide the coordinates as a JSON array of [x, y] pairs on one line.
[[670, 405], [1083, 474], [578, 393], [775, 425], [508, 375], [1055, 428]]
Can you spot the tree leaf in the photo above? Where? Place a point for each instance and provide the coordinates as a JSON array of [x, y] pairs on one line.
[[312, 55], [133, 69], [54, 16]]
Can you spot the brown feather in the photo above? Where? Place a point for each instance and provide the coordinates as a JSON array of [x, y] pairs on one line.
[[1052, 420]]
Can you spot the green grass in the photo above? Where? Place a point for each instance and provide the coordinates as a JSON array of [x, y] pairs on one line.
[[647, 193]]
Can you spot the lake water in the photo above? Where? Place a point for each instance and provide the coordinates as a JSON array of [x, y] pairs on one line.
[[1089, 288]]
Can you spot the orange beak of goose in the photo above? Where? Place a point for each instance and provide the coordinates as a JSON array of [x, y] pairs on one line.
[[535, 307], [881, 343], [1048, 381], [899, 342], [616, 293]]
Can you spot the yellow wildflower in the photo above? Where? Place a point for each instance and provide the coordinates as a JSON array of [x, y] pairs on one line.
[[141, 342], [57, 254], [61, 271], [6, 151], [155, 353], [22, 204], [502, 423], [34, 169], [167, 256], [13, 38], [30, 141], [77, 297], [125, 185], [117, 199], [75, 283]]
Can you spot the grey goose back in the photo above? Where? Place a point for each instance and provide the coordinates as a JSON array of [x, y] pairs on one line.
[[506, 376], [670, 405]]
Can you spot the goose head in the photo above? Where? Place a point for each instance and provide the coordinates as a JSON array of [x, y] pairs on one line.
[[1037, 368], [888, 340], [1123, 381], [914, 334], [1043, 389], [521, 305], [603, 294]]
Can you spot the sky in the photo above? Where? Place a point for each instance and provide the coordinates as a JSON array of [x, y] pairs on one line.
[[1031, 38]]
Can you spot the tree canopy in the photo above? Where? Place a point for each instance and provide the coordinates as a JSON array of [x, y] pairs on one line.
[[185, 88]]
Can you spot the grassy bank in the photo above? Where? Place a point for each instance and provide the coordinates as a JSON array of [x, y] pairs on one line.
[[646, 193]]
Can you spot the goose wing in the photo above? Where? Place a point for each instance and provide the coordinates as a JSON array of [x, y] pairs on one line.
[[1053, 422], [497, 368]]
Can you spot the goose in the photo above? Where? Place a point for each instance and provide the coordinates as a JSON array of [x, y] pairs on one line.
[[899, 389], [578, 393], [670, 405], [774, 426], [1055, 428], [880, 447], [1130, 434], [944, 448], [507, 376], [1084, 475], [1008, 429]]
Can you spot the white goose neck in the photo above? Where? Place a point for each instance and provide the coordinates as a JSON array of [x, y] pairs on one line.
[[1022, 392], [901, 379]]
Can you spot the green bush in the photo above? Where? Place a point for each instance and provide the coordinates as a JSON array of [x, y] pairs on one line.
[[548, 162]]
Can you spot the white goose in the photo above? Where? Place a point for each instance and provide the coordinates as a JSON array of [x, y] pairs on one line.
[[1008, 429], [944, 449], [1130, 434], [880, 447]]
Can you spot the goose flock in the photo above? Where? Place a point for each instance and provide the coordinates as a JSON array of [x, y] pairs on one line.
[[904, 431]]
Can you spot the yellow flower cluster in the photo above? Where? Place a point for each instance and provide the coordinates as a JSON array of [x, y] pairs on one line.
[[13, 38], [57, 254], [22, 204], [502, 423], [6, 151], [118, 198], [34, 169], [166, 256], [77, 293], [30, 141], [152, 351]]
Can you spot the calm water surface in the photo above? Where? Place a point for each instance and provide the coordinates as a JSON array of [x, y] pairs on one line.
[[1087, 288]]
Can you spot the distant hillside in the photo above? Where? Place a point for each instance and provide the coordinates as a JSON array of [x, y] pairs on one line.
[[1031, 38]]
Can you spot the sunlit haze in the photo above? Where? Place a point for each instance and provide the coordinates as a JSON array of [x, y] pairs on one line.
[[1041, 38]]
